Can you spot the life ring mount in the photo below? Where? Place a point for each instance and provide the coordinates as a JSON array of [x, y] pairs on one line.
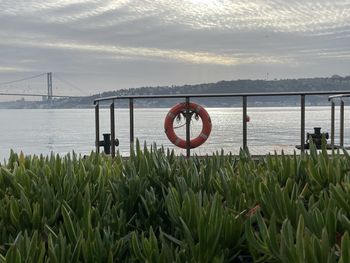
[[193, 108]]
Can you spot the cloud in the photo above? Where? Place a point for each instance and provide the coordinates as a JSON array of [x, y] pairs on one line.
[[278, 15], [11, 69], [206, 40], [135, 53], [285, 16]]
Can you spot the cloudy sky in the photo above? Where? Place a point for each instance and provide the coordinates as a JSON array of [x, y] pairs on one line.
[[102, 45]]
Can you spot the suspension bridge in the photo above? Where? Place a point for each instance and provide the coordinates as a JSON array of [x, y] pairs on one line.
[[9, 88]]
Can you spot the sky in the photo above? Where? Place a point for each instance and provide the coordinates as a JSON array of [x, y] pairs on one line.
[[100, 45]]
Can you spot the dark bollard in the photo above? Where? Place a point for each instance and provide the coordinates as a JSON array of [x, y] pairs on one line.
[[106, 143], [316, 137]]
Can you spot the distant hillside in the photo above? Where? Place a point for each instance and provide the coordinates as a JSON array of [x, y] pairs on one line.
[[334, 83]]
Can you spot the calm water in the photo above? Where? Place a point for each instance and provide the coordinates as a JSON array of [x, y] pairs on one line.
[[62, 131]]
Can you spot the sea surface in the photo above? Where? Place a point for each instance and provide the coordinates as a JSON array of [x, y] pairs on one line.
[[62, 131]]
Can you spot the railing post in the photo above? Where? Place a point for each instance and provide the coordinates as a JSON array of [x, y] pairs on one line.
[[97, 128], [188, 128], [245, 122], [341, 123], [131, 113], [332, 122], [302, 123], [112, 130]]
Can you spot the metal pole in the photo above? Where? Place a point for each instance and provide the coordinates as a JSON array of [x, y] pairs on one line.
[[302, 123], [332, 122], [341, 123], [188, 128], [97, 128], [131, 112], [112, 130], [245, 122]]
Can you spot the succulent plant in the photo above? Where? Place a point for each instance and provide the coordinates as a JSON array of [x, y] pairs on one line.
[[158, 207]]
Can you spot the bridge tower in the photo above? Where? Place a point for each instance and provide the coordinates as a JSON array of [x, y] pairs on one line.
[[49, 86]]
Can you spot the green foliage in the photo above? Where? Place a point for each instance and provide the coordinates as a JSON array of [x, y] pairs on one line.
[[158, 207]]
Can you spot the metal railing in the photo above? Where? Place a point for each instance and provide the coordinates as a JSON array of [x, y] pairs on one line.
[[332, 99], [187, 97]]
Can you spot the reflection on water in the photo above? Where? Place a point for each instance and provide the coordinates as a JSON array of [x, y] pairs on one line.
[[62, 131]]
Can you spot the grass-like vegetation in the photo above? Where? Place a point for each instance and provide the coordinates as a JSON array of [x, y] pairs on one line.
[[157, 207]]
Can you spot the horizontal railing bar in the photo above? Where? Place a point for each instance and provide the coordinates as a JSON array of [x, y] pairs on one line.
[[218, 95], [338, 96]]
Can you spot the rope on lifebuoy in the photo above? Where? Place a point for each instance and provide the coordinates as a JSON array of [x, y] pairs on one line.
[[180, 108]]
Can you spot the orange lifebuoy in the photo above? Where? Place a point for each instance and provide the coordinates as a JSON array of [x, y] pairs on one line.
[[181, 108]]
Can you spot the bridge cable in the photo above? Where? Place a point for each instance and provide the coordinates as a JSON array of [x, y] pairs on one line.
[[18, 80], [70, 84]]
